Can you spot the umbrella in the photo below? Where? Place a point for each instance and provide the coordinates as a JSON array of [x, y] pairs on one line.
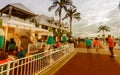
[[1, 41], [64, 39], [50, 40], [1, 35]]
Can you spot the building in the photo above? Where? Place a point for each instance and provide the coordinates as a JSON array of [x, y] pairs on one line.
[[18, 24]]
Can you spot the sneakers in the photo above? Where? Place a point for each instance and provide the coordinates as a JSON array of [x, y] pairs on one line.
[[98, 53], [112, 56]]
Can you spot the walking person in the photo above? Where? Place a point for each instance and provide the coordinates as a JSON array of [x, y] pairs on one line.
[[88, 45], [111, 45], [96, 44]]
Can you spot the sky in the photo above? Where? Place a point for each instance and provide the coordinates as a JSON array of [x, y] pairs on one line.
[[94, 13]]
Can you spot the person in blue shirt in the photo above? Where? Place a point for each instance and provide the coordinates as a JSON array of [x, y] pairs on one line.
[[88, 45], [21, 53]]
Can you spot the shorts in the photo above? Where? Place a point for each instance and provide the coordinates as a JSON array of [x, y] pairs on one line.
[[96, 46], [88, 47], [110, 48]]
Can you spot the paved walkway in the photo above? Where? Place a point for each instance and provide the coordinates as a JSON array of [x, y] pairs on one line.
[[90, 64], [53, 69]]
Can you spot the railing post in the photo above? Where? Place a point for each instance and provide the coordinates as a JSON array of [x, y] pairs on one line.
[[50, 57], [8, 68]]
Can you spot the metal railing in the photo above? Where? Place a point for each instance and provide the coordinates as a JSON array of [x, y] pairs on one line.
[[34, 64]]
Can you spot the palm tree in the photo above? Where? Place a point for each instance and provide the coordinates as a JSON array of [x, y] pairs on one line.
[[104, 28], [72, 13], [60, 4]]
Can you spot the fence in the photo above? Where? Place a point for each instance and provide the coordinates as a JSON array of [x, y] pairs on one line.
[[34, 64], [33, 48]]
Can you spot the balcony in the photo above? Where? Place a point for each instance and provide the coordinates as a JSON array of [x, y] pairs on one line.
[[13, 21]]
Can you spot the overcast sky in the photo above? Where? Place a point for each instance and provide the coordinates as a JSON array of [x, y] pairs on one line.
[[93, 13]]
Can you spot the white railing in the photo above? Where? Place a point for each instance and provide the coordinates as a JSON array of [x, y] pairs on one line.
[[33, 48], [34, 64], [5, 18]]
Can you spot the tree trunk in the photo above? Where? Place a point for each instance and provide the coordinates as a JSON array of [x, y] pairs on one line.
[[59, 24], [70, 25], [103, 36], [103, 33]]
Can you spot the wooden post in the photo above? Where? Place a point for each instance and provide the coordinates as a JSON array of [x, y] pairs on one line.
[[10, 11], [0, 14], [6, 34]]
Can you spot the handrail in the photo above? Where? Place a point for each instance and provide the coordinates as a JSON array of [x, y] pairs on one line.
[[32, 37], [34, 64], [18, 38]]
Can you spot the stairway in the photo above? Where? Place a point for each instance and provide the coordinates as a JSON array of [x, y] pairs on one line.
[[25, 41]]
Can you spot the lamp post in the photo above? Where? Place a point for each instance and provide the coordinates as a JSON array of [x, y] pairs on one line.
[[8, 23]]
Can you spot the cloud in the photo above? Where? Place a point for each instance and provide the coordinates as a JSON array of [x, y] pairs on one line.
[[93, 13], [96, 13]]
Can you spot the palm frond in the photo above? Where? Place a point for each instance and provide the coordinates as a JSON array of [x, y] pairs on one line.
[[105, 28], [57, 11], [52, 7], [66, 16], [77, 18], [56, 2], [98, 31], [74, 10], [77, 14], [65, 8]]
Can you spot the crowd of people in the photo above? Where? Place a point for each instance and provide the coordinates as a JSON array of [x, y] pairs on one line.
[[15, 54], [96, 44], [21, 52]]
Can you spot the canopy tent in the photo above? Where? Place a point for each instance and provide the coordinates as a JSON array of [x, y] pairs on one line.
[[17, 10]]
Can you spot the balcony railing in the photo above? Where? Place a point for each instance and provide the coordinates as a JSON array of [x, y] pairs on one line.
[[16, 21], [35, 64]]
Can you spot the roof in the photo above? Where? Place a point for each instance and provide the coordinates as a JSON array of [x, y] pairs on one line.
[[18, 10], [43, 19]]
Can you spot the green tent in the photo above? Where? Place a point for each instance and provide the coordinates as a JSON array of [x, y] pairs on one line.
[[50, 37]]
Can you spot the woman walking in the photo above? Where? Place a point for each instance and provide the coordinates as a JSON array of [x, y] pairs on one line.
[[111, 45], [96, 44]]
